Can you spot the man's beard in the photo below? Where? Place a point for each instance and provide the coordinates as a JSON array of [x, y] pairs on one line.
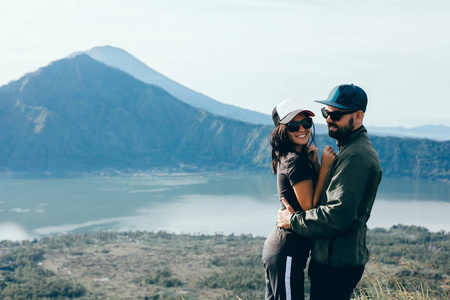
[[341, 132]]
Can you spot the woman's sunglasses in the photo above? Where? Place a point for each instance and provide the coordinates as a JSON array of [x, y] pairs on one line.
[[295, 126], [335, 115]]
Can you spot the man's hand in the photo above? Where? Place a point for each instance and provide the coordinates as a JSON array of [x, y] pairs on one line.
[[284, 215]]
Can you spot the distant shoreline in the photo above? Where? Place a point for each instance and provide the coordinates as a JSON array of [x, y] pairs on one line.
[[4, 232], [160, 173]]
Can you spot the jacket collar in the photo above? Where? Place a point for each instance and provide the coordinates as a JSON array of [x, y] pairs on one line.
[[354, 135]]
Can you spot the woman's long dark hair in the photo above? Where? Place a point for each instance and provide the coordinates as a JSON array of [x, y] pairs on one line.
[[282, 144]]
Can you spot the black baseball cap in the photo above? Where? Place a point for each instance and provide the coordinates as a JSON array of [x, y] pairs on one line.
[[346, 96]]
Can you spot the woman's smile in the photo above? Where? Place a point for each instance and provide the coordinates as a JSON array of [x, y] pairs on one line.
[[300, 137]]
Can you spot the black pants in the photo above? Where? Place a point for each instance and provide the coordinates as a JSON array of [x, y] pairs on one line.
[[284, 275], [330, 283]]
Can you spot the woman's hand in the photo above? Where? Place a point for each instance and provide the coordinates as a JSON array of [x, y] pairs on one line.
[[328, 156], [313, 157]]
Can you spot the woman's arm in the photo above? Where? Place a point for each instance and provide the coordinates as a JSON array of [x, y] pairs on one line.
[[307, 196], [304, 191]]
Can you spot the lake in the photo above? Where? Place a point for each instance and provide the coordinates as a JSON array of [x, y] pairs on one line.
[[188, 203]]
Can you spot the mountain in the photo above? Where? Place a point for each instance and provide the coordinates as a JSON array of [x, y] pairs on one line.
[[78, 114], [122, 60], [126, 62]]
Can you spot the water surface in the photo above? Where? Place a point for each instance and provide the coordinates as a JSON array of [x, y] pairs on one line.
[[189, 203]]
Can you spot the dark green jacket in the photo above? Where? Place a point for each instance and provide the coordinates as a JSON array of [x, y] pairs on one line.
[[338, 225]]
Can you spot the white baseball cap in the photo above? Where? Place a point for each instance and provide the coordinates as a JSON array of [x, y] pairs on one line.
[[286, 110]]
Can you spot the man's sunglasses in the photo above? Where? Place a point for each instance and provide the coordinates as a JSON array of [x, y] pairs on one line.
[[335, 115], [295, 126]]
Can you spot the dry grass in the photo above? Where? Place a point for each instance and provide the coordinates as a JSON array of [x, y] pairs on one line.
[[382, 284], [142, 265], [126, 269]]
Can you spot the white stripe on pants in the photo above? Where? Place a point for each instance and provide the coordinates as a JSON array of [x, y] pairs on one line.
[[287, 277]]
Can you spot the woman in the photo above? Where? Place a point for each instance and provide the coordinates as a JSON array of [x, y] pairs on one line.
[[300, 180]]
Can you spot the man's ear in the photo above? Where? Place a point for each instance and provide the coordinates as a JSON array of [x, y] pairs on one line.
[[359, 116]]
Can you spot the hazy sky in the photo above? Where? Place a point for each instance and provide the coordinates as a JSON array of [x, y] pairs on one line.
[[255, 53]]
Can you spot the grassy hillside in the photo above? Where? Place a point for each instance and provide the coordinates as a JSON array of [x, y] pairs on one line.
[[408, 263]]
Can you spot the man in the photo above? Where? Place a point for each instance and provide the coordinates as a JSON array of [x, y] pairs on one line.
[[338, 224]]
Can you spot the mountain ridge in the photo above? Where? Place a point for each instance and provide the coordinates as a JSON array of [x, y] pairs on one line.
[[431, 132]]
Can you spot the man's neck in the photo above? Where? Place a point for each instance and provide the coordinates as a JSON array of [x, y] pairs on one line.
[[357, 127]]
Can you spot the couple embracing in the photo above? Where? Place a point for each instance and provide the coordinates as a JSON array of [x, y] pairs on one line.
[[325, 207]]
